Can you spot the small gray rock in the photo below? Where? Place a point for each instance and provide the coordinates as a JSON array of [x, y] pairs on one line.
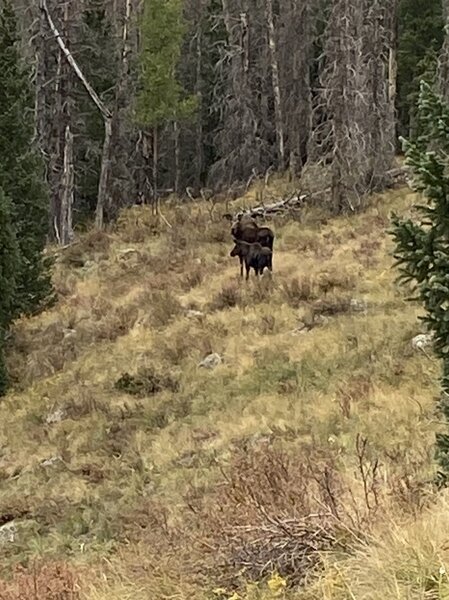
[[69, 333], [52, 461], [129, 253], [211, 361], [56, 416], [422, 341], [194, 314], [8, 533], [357, 305]]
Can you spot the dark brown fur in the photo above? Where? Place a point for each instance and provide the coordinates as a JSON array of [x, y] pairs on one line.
[[253, 256], [245, 229]]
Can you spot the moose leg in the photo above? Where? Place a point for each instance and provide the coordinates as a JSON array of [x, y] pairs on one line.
[[247, 267], [241, 266]]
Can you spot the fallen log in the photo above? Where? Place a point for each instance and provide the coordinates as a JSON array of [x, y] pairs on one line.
[[294, 202]]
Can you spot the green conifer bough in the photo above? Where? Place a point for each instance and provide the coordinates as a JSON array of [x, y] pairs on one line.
[[422, 246], [21, 170], [9, 263]]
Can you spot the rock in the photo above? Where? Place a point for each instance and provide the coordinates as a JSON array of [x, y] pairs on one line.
[[52, 461], [69, 333], [211, 361], [8, 533], [357, 305], [129, 253], [422, 341], [56, 416], [89, 265], [194, 314]]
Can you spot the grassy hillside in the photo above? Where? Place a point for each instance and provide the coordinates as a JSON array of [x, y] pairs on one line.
[[296, 467]]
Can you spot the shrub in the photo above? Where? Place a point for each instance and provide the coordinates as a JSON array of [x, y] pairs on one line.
[[229, 296], [145, 383], [41, 582]]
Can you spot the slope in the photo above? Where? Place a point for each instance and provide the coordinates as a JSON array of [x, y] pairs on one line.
[[155, 477]]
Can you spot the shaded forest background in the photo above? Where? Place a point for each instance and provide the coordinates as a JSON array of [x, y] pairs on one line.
[[203, 95]]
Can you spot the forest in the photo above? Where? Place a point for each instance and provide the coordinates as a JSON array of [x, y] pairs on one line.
[[198, 97]]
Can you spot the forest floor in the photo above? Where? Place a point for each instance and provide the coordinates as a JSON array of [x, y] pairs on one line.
[[298, 467]]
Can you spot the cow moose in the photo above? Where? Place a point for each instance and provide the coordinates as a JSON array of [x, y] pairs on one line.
[[252, 255], [245, 229]]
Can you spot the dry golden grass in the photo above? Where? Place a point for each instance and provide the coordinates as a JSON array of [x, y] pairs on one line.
[[157, 471]]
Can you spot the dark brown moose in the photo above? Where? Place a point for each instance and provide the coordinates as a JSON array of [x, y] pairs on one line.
[[245, 229], [253, 256]]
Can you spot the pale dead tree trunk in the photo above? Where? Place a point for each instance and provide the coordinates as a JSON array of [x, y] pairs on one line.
[[66, 187], [155, 159], [119, 173], [105, 113], [177, 157], [276, 82], [392, 25], [393, 54], [66, 223]]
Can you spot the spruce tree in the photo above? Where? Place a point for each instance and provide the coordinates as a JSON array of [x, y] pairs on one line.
[[9, 264], [21, 170], [422, 246], [161, 95]]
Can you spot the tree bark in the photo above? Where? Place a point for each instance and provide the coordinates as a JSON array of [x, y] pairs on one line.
[[155, 159], [276, 82], [177, 144], [66, 222]]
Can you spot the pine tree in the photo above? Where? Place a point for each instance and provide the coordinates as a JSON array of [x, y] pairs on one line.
[[422, 248], [9, 263], [21, 170], [161, 94], [161, 98]]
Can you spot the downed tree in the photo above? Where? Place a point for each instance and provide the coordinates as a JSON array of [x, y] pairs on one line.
[[292, 203]]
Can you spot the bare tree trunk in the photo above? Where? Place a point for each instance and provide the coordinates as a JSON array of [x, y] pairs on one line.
[[105, 113], [119, 172], [276, 82], [177, 156], [66, 222], [393, 65], [155, 159]]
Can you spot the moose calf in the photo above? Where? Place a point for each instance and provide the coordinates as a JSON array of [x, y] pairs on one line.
[[253, 256]]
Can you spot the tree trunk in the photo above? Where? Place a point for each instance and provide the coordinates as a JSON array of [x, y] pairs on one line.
[[105, 113], [177, 144], [393, 66], [104, 173], [66, 222], [276, 82], [155, 159]]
